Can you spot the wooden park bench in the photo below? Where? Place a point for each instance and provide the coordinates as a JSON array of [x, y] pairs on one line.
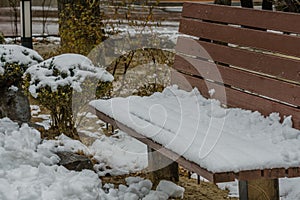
[[250, 58]]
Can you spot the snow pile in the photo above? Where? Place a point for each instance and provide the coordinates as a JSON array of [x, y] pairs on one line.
[[119, 154], [48, 183], [25, 172], [204, 132], [116, 155], [62, 70], [171, 189], [18, 55], [289, 188], [28, 170], [139, 188], [22, 146]]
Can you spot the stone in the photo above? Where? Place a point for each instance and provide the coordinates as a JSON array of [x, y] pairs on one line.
[[14, 104], [73, 161]]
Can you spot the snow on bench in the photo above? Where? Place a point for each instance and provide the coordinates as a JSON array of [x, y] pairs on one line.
[[218, 139]]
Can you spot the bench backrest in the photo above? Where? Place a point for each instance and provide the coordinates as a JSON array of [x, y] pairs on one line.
[[251, 58]]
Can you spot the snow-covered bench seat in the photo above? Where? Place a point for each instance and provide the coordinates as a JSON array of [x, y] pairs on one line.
[[200, 130], [248, 128]]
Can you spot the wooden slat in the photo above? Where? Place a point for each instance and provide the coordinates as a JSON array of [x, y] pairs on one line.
[[280, 21], [284, 68], [293, 172], [235, 98], [224, 177], [274, 173], [284, 44], [249, 175], [286, 92]]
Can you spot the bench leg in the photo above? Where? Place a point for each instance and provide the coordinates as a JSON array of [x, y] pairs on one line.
[[161, 167], [260, 189]]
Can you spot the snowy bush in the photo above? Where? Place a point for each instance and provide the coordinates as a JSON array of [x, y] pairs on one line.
[[14, 60], [54, 83]]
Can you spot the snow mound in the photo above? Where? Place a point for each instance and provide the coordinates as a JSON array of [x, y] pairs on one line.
[[120, 154], [62, 70], [171, 189], [22, 146], [140, 189], [18, 55], [48, 183]]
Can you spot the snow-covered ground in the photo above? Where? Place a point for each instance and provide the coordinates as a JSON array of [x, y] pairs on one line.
[[29, 170]]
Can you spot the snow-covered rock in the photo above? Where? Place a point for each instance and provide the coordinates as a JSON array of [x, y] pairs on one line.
[[14, 60]]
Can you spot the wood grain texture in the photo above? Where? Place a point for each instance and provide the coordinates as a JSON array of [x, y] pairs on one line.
[[275, 66], [259, 189], [258, 84], [285, 44], [280, 21], [236, 98]]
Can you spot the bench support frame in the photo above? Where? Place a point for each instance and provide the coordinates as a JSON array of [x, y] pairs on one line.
[[161, 167], [259, 189]]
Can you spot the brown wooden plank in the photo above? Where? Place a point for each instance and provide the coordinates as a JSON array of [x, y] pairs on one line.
[[272, 88], [236, 98], [249, 175], [293, 172], [274, 173], [103, 117], [285, 22], [224, 177], [284, 44], [284, 68]]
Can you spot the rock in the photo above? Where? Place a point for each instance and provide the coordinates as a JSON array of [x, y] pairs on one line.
[[14, 104], [73, 161]]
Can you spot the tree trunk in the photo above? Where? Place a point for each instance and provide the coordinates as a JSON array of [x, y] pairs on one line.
[[223, 2], [62, 5], [247, 3], [267, 5]]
